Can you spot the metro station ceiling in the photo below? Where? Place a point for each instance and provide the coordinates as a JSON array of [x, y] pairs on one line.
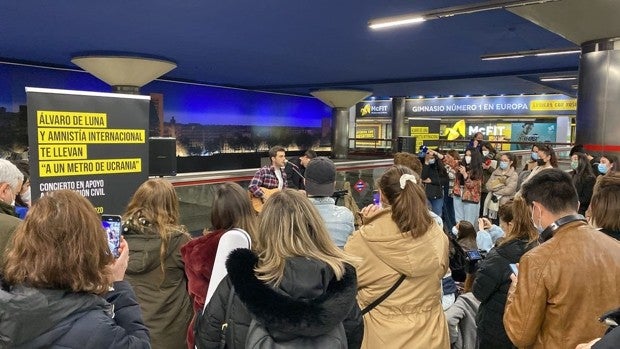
[[297, 46]]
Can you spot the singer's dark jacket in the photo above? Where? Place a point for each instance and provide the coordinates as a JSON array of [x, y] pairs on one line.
[[294, 179]]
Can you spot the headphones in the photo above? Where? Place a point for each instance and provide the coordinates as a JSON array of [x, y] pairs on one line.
[[551, 229]]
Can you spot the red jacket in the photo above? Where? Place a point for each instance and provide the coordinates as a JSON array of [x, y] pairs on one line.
[[199, 256]]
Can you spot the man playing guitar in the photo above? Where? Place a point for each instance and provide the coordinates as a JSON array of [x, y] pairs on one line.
[[268, 179]]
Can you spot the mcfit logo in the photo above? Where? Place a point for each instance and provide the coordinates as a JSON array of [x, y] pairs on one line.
[[456, 131], [365, 109]]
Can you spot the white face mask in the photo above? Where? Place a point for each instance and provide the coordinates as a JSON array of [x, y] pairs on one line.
[[485, 152], [455, 231], [467, 159], [26, 197], [538, 226]]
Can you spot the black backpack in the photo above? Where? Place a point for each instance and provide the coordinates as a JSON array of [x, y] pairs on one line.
[[458, 259], [259, 338]]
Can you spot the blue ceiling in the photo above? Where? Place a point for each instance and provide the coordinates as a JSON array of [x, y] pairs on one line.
[[294, 46]]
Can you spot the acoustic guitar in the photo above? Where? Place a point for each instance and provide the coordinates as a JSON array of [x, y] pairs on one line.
[[257, 203]]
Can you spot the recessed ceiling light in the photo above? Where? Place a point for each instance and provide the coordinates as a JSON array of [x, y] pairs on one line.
[[558, 78]]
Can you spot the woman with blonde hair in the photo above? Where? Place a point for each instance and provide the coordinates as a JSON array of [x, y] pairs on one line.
[[58, 272], [156, 270], [403, 249], [298, 285], [493, 276], [231, 209]]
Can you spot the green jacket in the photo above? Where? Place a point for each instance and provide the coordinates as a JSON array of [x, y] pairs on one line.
[[164, 300], [8, 224]]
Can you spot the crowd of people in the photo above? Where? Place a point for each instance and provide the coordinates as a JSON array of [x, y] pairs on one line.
[[535, 252]]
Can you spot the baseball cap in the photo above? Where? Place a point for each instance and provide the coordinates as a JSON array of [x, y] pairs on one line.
[[320, 177]]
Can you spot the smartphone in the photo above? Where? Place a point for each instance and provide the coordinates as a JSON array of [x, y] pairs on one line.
[[514, 268], [473, 255], [112, 226], [376, 197]]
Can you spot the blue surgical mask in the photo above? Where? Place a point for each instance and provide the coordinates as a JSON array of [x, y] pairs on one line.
[[602, 168], [431, 161], [504, 165], [534, 155], [574, 164]]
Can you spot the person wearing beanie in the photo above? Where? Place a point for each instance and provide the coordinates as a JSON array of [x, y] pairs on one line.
[[320, 181]]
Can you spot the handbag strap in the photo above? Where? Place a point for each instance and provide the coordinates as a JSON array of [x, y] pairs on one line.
[[387, 293], [231, 295]]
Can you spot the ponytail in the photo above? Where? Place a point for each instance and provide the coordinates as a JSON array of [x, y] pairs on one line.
[[407, 200]]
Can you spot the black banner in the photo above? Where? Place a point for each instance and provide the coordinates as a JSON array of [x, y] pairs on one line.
[[93, 143], [373, 109]]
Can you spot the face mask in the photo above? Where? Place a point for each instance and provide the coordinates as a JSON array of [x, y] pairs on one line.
[[26, 197], [538, 226], [602, 168], [574, 164], [534, 155], [455, 231], [431, 161], [468, 159], [503, 165], [485, 152]]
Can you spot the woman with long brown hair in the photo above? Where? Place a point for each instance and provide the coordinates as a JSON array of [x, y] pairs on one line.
[[63, 287], [298, 285], [231, 209], [493, 276], [400, 242], [156, 270]]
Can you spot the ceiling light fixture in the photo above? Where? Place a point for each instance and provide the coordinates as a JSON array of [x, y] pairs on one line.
[[558, 78], [531, 53], [388, 22]]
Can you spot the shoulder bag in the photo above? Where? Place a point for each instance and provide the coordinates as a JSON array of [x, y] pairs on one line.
[[387, 293]]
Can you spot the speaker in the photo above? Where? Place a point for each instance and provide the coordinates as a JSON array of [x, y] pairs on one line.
[[162, 156], [406, 144]]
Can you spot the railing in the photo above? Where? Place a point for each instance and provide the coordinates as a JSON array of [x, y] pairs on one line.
[[196, 190]]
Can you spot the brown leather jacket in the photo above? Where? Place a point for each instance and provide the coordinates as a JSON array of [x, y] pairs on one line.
[[564, 285]]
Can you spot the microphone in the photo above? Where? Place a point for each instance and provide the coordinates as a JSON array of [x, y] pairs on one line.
[[294, 167], [292, 164]]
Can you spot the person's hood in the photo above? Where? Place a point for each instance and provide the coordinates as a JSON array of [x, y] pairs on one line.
[[41, 315], [309, 301], [144, 250], [397, 249]]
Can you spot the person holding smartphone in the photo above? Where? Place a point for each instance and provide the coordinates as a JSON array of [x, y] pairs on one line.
[[493, 276], [62, 288]]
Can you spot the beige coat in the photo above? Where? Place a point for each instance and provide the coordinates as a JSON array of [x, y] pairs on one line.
[[412, 316]]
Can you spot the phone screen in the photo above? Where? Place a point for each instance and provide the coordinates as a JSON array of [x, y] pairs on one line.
[[474, 255], [112, 226], [514, 269], [376, 197]]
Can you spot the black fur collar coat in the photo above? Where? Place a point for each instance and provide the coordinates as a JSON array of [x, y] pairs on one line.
[[309, 301]]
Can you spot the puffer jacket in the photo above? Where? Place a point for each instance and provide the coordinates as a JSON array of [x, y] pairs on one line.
[[33, 318], [163, 296], [563, 286], [491, 289], [308, 301]]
